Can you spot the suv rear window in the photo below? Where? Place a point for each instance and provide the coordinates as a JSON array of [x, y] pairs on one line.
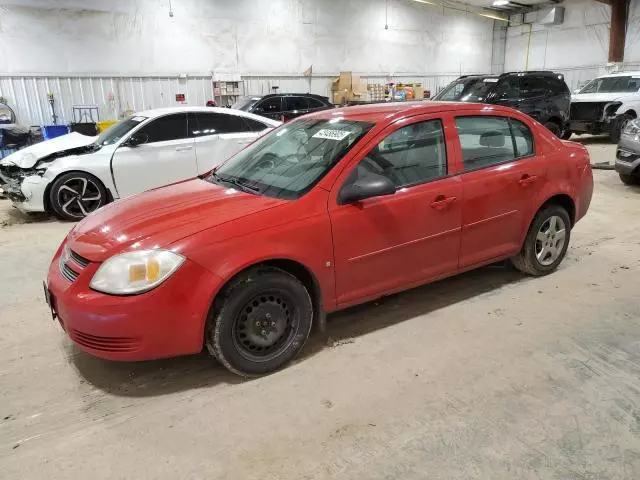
[[473, 89]]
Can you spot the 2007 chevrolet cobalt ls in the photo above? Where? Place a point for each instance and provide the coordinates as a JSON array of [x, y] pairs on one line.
[[328, 211]]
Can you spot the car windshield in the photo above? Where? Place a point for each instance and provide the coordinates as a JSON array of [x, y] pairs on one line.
[[290, 161], [114, 133], [467, 90], [245, 103], [612, 84]]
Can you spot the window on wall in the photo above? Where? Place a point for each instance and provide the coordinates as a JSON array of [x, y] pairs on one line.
[[409, 156], [488, 141], [163, 129]]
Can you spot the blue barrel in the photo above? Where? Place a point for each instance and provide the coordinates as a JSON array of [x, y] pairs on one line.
[[53, 131]]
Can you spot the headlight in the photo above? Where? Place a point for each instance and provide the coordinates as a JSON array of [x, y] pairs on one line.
[[632, 128], [135, 272]]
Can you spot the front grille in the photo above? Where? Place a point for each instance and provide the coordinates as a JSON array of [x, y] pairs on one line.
[[587, 111], [68, 272], [105, 344], [83, 262]]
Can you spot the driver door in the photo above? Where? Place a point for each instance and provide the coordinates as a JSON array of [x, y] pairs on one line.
[[167, 155], [392, 242]]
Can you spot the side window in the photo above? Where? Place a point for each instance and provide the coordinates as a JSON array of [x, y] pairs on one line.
[[411, 155], [522, 137], [314, 103], [270, 105], [163, 129], [507, 89], [485, 141], [534, 87], [295, 103], [254, 125], [202, 124]]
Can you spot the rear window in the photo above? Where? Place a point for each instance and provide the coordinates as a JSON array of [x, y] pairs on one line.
[[467, 90]]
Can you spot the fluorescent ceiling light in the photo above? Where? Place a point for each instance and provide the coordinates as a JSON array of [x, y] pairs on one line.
[[500, 3], [424, 1]]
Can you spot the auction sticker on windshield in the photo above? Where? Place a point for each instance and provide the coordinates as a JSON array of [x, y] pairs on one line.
[[329, 134]]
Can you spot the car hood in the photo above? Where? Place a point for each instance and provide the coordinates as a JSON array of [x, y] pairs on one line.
[[601, 97], [28, 157], [160, 217]]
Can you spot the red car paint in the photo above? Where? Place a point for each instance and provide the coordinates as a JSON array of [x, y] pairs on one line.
[[355, 252]]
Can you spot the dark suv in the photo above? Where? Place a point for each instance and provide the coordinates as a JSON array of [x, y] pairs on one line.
[[542, 95], [283, 106]]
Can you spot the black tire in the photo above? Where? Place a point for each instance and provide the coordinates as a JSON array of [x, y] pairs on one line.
[[629, 179], [619, 125], [90, 194], [527, 260], [554, 128], [261, 300]]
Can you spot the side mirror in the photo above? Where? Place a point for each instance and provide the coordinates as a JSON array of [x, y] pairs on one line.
[[135, 140], [370, 186]]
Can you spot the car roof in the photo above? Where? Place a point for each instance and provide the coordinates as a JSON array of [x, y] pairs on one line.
[[380, 112], [158, 112]]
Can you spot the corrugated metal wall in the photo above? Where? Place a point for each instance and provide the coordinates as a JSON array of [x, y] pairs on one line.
[[114, 96]]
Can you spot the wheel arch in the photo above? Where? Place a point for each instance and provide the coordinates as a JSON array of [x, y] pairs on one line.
[[631, 112], [47, 189], [563, 200], [293, 267]]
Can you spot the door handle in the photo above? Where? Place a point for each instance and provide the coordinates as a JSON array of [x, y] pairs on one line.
[[527, 179], [184, 149], [441, 202]]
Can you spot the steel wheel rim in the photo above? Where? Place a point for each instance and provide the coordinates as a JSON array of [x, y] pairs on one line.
[[265, 326], [79, 196], [550, 240]]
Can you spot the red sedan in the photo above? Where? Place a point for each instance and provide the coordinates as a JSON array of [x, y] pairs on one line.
[[330, 210]]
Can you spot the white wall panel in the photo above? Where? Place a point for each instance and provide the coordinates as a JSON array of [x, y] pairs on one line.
[[582, 40], [242, 36]]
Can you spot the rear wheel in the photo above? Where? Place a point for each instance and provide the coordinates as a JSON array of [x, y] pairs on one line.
[[629, 179], [260, 323], [74, 195], [546, 243]]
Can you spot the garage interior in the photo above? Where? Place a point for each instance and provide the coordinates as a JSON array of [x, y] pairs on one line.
[[486, 375]]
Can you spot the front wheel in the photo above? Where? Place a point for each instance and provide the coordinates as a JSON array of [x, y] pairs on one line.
[[75, 195], [619, 125], [554, 128], [546, 243], [260, 323], [629, 179]]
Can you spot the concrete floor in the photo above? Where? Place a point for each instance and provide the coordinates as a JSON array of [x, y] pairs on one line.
[[489, 375]]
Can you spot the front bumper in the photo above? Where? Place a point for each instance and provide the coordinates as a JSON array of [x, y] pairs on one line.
[[27, 194], [165, 322], [627, 156]]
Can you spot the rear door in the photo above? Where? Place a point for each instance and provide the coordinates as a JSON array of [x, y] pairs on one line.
[[166, 156], [219, 136], [501, 175], [294, 106]]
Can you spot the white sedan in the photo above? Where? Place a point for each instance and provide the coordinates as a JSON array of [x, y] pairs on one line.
[[74, 175]]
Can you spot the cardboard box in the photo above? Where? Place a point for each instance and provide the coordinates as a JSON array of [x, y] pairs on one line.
[[418, 93]]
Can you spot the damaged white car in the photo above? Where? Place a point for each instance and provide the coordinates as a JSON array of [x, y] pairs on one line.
[[74, 175], [605, 105]]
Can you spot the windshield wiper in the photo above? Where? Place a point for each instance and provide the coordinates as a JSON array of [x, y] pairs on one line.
[[244, 186]]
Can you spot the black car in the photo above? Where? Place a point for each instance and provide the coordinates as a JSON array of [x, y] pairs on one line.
[[542, 95], [283, 106]]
